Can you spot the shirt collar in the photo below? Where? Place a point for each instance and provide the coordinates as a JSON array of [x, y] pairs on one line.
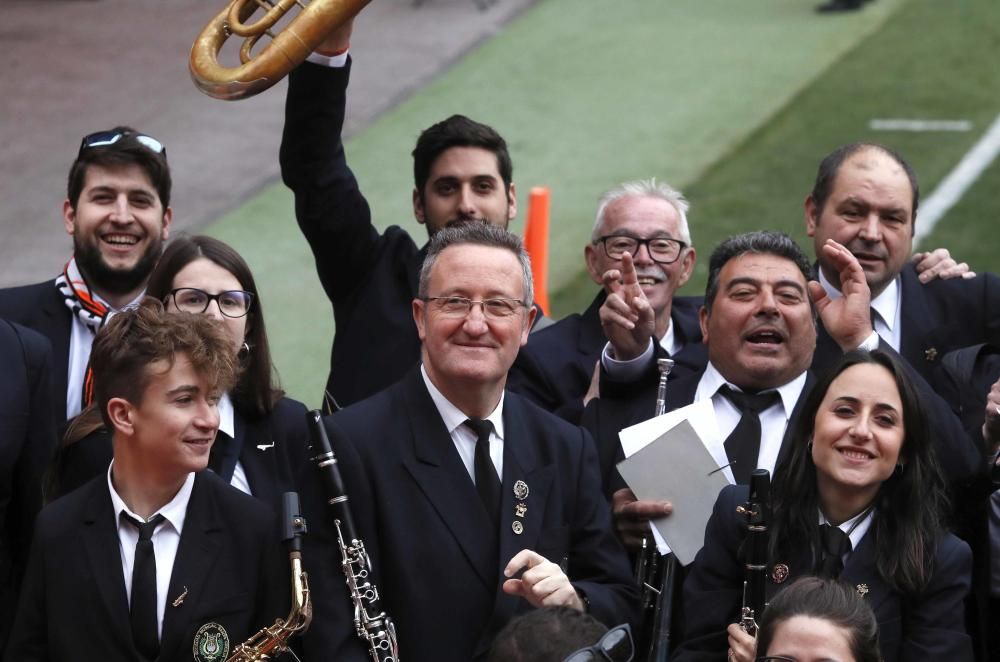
[[856, 527], [669, 339], [452, 415], [886, 304], [789, 393], [174, 511], [227, 416]]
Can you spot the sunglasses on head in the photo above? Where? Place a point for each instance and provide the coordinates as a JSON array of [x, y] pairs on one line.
[[106, 138], [615, 646]]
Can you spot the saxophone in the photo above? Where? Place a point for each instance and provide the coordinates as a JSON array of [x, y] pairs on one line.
[[272, 641], [372, 624]]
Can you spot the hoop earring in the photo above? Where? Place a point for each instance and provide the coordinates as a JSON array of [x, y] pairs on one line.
[[244, 350]]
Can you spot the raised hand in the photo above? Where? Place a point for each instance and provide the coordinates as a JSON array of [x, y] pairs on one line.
[[626, 316]]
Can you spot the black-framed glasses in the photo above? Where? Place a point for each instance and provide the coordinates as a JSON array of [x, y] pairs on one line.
[[661, 249], [615, 646], [495, 308], [232, 303], [775, 658], [106, 138]]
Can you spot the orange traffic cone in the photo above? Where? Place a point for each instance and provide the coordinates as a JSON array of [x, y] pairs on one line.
[[536, 242]]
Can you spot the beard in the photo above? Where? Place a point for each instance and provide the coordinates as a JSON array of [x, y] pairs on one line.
[[103, 276]]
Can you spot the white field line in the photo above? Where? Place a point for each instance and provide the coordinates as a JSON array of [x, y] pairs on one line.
[[919, 125], [953, 187]]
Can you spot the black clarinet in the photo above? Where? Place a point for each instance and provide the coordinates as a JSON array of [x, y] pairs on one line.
[[757, 511], [371, 623]]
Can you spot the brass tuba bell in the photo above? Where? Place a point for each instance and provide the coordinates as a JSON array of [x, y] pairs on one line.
[[287, 49]]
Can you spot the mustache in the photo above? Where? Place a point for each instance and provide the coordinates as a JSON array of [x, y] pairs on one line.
[[655, 273]]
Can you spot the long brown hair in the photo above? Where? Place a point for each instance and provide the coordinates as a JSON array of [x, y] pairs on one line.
[[257, 388]]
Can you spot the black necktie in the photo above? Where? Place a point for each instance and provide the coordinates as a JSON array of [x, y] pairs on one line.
[[836, 543], [224, 456], [743, 443], [145, 633], [487, 481]]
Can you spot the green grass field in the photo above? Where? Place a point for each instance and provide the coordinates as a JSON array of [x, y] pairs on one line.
[[732, 102]]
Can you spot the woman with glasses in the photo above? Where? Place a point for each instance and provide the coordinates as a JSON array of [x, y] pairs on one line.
[[860, 498]]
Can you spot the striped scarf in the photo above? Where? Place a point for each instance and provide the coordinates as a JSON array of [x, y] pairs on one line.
[[86, 306]]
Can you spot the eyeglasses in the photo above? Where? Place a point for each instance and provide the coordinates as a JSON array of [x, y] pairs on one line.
[[496, 308], [105, 138], [615, 646], [661, 249], [776, 658], [233, 303]]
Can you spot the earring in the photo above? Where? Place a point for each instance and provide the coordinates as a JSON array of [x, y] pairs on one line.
[[809, 446], [899, 468], [244, 349]]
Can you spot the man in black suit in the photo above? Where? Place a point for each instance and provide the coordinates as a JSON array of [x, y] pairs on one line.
[[865, 197], [27, 439], [558, 367], [117, 210], [759, 328], [485, 504], [166, 560], [462, 172]]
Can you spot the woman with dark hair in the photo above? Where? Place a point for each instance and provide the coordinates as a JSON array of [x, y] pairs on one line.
[[818, 619], [861, 498]]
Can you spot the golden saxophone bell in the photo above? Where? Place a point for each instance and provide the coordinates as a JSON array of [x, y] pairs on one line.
[[286, 50]]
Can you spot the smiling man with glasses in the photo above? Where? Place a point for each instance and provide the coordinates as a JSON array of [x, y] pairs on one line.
[[647, 221], [117, 210], [487, 505]]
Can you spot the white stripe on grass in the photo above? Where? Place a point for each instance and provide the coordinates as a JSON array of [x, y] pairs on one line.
[[953, 187]]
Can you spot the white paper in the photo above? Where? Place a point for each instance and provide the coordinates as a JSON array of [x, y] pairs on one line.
[[676, 458]]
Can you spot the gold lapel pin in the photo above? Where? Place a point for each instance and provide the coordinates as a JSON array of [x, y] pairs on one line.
[[179, 600], [520, 509], [931, 354], [862, 590], [779, 573]]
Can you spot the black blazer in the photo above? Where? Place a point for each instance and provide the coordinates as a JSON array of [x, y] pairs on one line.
[[936, 318], [370, 279], [27, 439], [40, 307], [555, 367], [440, 575], [73, 603], [928, 626]]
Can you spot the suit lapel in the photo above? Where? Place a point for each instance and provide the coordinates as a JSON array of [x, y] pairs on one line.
[[914, 341], [199, 546], [440, 474], [590, 338], [100, 539], [861, 573], [260, 474]]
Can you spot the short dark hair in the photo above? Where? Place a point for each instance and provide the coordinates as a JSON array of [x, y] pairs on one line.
[[479, 234], [828, 600], [123, 152], [911, 505], [137, 337], [761, 243], [458, 131], [829, 168], [256, 390], [548, 634]]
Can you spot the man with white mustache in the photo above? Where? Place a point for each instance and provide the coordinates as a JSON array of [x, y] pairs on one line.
[[558, 368]]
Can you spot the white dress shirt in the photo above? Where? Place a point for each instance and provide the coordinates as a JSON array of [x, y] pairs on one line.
[[227, 424], [626, 371], [887, 306], [166, 538], [855, 528], [773, 420], [463, 436]]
